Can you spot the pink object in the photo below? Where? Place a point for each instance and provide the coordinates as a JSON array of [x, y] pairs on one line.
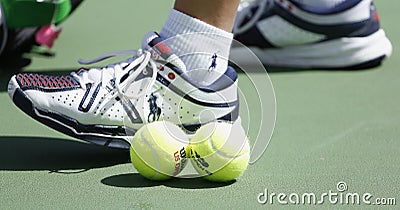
[[47, 35]]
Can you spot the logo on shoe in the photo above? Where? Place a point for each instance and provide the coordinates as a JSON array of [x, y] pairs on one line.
[[213, 62], [111, 85], [155, 111], [161, 49], [89, 97]]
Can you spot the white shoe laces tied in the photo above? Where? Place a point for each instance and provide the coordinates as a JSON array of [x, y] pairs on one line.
[[245, 12], [142, 59]]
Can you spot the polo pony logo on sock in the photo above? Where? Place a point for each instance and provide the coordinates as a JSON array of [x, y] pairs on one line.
[[213, 62], [155, 111]]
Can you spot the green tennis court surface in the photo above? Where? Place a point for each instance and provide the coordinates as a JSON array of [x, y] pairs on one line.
[[332, 127]]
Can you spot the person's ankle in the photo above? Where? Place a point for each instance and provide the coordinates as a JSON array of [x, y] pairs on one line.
[[202, 47]]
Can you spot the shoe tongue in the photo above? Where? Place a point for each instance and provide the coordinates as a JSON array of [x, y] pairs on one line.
[[148, 38], [153, 41]]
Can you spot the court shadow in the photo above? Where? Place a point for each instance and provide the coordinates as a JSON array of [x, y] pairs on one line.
[[131, 180], [13, 63], [35, 153], [135, 180], [277, 69], [196, 183]]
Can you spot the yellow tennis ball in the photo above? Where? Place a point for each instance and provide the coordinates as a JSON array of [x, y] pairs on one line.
[[158, 150], [220, 151]]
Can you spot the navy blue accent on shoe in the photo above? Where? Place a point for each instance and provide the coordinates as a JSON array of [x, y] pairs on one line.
[[176, 90], [175, 69], [371, 26], [160, 47], [229, 77], [83, 131], [226, 80], [123, 78], [345, 5], [253, 37], [88, 88], [231, 117], [91, 99], [331, 31]]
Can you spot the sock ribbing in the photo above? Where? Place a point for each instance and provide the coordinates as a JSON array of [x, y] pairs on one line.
[[196, 42]]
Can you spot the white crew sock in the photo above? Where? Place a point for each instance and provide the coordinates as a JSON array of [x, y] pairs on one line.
[[321, 3], [195, 42]]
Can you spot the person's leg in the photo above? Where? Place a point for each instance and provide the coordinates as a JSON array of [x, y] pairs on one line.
[[198, 29], [180, 75], [219, 13]]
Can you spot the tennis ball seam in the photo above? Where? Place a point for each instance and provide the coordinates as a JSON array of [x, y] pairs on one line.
[[223, 154], [154, 156]]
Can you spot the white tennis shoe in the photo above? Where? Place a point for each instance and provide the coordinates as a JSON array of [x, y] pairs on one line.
[[107, 105], [286, 33]]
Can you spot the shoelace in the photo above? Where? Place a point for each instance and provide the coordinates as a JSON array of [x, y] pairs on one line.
[[245, 12], [141, 60]]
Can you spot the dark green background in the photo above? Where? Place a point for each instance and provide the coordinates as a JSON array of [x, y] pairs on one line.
[[331, 126]]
